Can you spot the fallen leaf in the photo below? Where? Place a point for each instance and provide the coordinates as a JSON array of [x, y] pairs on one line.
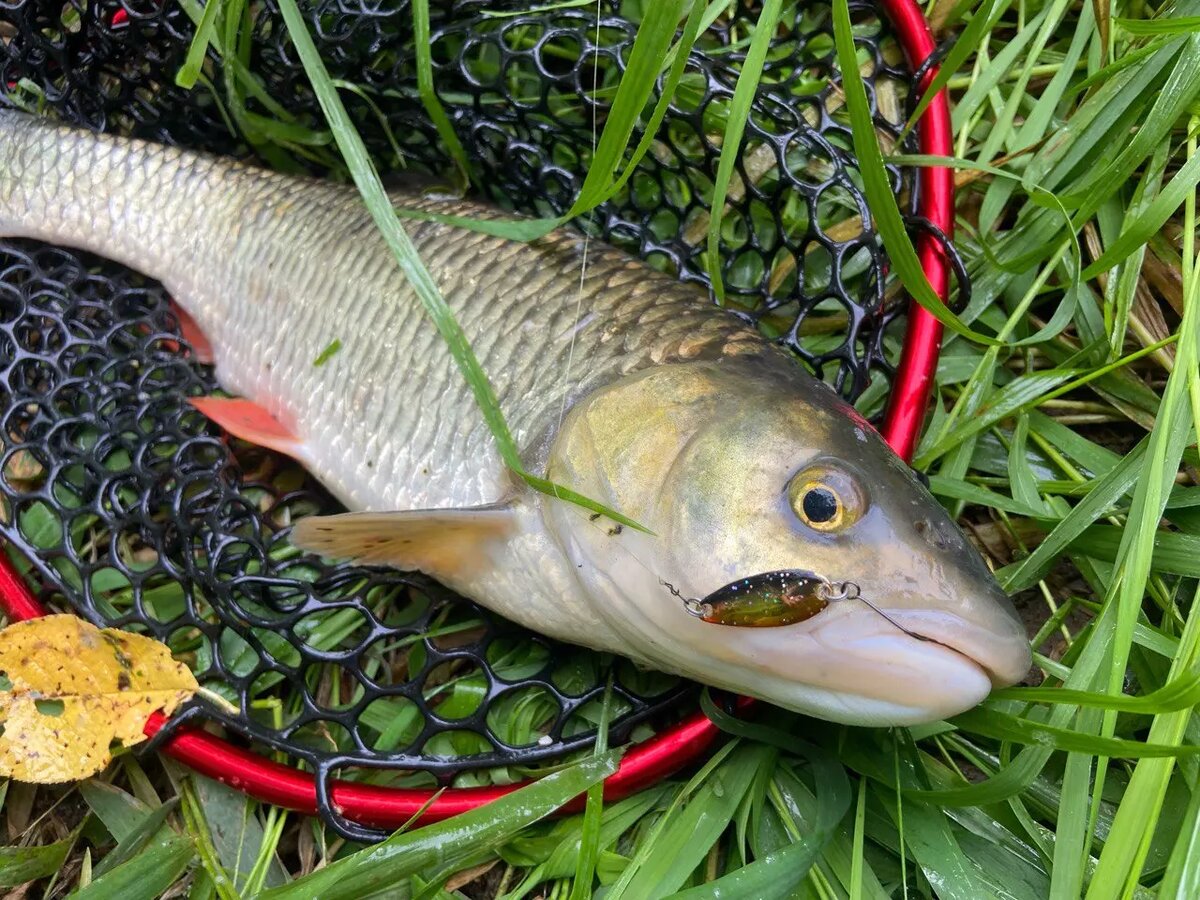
[[69, 690]]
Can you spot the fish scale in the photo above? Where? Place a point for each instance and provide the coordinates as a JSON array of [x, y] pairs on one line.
[[275, 268]]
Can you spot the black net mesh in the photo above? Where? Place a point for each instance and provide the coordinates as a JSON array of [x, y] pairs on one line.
[[133, 510]]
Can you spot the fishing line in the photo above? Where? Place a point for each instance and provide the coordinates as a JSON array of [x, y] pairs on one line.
[[562, 406]]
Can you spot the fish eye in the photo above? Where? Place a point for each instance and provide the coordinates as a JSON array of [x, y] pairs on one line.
[[825, 498]]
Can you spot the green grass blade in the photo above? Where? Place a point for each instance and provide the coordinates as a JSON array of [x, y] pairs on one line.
[[686, 836], [650, 52], [774, 877], [130, 845], [429, 98], [1026, 392], [983, 20], [147, 875], [436, 848], [986, 81], [376, 199], [1180, 25], [19, 865], [593, 815], [1172, 553], [1138, 232], [1172, 101], [192, 63], [877, 185], [1002, 726], [1115, 484], [735, 127], [120, 811], [1182, 877]]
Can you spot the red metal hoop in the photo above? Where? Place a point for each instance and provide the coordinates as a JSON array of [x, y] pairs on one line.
[[671, 750]]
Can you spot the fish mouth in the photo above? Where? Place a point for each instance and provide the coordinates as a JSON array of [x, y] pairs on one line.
[[852, 661], [851, 665], [1001, 650]]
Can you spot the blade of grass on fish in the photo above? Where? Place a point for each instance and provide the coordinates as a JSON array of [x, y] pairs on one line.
[[376, 199], [877, 184], [423, 48], [735, 127], [190, 70], [435, 848], [983, 20]]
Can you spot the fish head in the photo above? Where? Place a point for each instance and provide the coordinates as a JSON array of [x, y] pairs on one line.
[[744, 467]]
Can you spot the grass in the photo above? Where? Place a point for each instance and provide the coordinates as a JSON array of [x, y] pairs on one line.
[[1063, 436]]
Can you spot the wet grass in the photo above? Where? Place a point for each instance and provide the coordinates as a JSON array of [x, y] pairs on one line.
[[1065, 441]]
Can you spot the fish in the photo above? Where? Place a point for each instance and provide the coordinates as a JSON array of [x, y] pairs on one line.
[[837, 586]]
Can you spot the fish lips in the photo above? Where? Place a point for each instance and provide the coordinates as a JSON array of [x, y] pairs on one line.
[[1003, 653], [851, 665]]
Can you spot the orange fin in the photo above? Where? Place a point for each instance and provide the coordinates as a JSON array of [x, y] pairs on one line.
[[201, 349], [251, 422], [438, 542]]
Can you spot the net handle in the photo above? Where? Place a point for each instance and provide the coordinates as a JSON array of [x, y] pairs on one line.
[[671, 750]]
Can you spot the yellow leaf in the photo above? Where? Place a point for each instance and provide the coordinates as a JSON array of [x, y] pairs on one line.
[[75, 689]]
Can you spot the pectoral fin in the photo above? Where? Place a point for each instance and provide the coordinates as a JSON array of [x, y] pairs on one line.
[[434, 541], [251, 422]]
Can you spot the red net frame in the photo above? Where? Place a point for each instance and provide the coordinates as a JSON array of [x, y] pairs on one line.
[[676, 747]]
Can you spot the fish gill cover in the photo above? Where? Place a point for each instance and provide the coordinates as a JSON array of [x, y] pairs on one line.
[[126, 505]]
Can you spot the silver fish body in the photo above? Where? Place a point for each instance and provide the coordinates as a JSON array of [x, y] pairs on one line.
[[621, 382]]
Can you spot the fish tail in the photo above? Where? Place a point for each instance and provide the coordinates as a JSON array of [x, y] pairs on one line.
[[127, 200]]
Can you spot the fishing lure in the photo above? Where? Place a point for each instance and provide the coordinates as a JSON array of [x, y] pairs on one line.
[[769, 599]]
